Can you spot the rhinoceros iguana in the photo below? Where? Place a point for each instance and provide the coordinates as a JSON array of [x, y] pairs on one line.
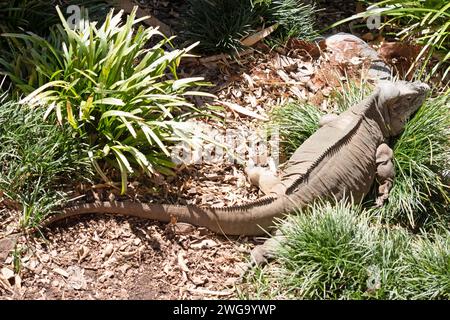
[[344, 156]]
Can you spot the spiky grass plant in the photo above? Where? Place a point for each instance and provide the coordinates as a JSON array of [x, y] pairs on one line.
[[220, 25], [296, 19], [109, 85], [295, 122], [427, 268], [339, 251], [329, 252], [37, 160], [419, 195]]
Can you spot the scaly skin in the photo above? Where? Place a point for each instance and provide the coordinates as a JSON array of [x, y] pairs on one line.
[[344, 156]]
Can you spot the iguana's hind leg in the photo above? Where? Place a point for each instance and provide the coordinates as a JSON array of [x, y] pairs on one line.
[[261, 254], [263, 178], [385, 172], [327, 118]]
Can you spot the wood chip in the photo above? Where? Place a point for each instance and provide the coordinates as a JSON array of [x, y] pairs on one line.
[[61, 272], [181, 262]]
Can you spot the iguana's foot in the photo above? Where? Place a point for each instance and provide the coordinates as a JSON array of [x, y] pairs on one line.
[[265, 252], [259, 255], [263, 178]]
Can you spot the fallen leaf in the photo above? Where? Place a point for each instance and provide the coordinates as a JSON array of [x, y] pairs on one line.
[[242, 110], [7, 273], [254, 38]]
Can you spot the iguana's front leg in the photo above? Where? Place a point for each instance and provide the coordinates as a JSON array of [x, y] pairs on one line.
[[385, 172], [263, 178]]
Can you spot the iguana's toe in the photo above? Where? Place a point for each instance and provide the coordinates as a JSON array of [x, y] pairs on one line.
[[259, 255]]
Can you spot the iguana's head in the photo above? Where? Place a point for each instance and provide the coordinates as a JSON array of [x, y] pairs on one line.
[[399, 100]]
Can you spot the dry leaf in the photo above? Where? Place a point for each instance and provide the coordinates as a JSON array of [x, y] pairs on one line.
[[254, 38], [242, 110], [7, 273], [181, 262]]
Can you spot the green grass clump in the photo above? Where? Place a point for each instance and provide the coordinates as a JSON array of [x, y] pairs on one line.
[[295, 122], [329, 252], [110, 86], [295, 19], [337, 251], [220, 25], [419, 195], [38, 160], [427, 268]]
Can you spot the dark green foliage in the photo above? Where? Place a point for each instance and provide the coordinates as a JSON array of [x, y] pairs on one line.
[[219, 25], [336, 251], [38, 160], [295, 18]]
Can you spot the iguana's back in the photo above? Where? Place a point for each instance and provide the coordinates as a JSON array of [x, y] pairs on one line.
[[336, 160]]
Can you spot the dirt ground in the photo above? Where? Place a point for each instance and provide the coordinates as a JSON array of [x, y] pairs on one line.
[[122, 258]]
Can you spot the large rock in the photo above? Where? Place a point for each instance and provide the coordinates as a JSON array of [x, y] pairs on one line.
[[345, 46]]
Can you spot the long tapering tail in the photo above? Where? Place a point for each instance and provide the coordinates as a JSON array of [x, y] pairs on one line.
[[241, 220]]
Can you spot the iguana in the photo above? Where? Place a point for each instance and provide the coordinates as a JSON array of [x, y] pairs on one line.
[[344, 156]]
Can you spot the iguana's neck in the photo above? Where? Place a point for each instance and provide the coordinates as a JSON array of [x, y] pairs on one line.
[[373, 108]]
